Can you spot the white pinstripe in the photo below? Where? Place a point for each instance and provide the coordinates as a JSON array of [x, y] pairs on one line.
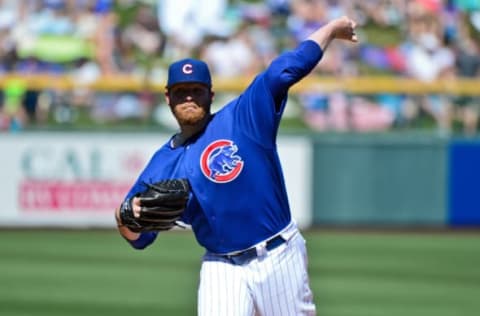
[[273, 285], [223, 291]]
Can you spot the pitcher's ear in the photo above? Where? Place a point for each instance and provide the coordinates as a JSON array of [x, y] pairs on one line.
[[167, 97]]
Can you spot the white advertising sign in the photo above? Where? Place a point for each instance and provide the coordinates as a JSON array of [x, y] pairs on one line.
[[77, 180]]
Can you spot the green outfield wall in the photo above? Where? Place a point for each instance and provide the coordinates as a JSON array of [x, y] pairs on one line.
[[379, 179]]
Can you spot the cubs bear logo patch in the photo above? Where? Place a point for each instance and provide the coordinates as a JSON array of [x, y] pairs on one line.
[[219, 161]]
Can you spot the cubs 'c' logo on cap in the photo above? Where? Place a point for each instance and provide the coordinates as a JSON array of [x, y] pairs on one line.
[[187, 69], [219, 162]]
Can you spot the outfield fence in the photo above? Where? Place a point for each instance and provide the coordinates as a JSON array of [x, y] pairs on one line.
[[77, 179]]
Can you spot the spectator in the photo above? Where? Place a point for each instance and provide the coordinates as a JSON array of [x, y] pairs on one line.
[[239, 50], [13, 112], [186, 22], [308, 15], [467, 66], [428, 59]]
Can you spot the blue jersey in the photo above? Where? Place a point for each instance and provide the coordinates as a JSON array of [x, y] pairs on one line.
[[238, 194]]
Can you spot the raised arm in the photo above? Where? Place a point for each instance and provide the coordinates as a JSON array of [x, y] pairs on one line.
[[290, 67], [341, 28]]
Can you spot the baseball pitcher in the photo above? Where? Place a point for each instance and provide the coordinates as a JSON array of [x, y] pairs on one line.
[[221, 174]]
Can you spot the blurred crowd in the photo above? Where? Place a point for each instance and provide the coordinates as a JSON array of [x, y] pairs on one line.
[[91, 39]]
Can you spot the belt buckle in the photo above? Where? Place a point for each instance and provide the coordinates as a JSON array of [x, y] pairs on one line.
[[261, 249], [242, 257]]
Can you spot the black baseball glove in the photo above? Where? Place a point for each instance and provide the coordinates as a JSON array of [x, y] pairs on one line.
[[162, 204]]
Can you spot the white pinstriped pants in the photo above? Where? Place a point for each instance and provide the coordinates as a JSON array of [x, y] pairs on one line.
[[273, 285]]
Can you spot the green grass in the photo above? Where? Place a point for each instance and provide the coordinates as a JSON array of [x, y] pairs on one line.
[[96, 273]]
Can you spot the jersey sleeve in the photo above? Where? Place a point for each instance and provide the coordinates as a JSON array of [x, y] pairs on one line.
[[143, 240], [291, 67], [262, 104]]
